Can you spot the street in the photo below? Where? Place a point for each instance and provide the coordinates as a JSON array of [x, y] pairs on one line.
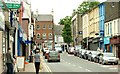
[[71, 63]]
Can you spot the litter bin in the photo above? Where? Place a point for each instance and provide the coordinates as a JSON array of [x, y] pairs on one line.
[[31, 58]]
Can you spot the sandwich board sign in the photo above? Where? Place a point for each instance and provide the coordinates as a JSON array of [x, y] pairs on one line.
[[20, 63]]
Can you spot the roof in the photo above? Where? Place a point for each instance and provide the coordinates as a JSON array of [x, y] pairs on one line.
[[58, 29], [44, 17]]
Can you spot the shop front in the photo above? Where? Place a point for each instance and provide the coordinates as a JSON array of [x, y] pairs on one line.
[[3, 44], [96, 43], [115, 42], [90, 44], [107, 45]]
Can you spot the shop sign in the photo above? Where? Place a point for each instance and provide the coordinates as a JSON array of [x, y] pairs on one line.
[[115, 40], [12, 4], [2, 21]]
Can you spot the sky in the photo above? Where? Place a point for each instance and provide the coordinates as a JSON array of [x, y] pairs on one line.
[[61, 8]]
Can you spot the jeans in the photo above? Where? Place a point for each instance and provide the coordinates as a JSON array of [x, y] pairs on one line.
[[37, 67], [9, 68]]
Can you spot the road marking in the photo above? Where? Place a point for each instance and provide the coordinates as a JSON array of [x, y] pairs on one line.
[[105, 66], [46, 66], [74, 65], [69, 63], [80, 67], [113, 68], [88, 70]]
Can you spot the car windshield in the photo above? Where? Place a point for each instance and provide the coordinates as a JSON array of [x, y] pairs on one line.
[[53, 53], [108, 54]]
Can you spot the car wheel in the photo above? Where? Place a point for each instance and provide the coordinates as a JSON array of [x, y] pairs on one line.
[[58, 60], [103, 63], [116, 63], [48, 60]]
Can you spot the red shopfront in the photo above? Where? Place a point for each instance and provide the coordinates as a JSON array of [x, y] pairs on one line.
[[115, 41]]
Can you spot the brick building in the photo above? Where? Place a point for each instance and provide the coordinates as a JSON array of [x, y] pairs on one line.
[[44, 31]]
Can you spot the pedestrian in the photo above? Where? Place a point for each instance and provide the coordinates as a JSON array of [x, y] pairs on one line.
[[37, 61], [9, 61]]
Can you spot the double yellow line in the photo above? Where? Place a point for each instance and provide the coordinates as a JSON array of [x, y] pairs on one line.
[[45, 66]]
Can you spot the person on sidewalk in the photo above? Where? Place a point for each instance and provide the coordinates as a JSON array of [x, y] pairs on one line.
[[37, 61], [9, 61]]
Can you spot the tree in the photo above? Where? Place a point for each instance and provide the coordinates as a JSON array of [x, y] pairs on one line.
[[86, 6], [67, 35]]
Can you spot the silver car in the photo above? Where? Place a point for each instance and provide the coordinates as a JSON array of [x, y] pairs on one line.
[[106, 58], [53, 56]]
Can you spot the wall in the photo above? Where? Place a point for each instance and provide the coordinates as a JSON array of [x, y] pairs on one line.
[[85, 23], [1, 63], [41, 31]]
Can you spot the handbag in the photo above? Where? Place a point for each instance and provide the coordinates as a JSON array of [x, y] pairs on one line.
[[41, 67]]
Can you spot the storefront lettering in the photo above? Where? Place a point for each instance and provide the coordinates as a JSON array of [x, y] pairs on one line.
[[115, 40]]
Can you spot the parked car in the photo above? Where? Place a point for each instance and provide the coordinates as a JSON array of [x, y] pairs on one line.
[[92, 55], [71, 50], [53, 56], [58, 48], [106, 58], [86, 54], [77, 48], [81, 53]]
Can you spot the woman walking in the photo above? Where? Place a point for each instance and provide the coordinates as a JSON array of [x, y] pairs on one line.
[[37, 61]]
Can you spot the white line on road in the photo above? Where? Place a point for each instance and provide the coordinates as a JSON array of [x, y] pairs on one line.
[[113, 68], [74, 65], [80, 67], [88, 70]]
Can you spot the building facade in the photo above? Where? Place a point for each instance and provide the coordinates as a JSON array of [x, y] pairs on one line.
[[58, 34], [112, 27], [85, 23], [93, 29], [77, 29], [44, 27]]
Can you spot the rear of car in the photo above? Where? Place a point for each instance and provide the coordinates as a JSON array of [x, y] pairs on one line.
[[53, 56], [58, 48], [77, 48], [71, 50]]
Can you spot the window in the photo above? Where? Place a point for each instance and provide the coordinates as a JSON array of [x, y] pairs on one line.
[[38, 36], [38, 27], [50, 26], [44, 35], [110, 28], [44, 26], [50, 35]]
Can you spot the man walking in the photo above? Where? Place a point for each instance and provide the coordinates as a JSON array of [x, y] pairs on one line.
[[9, 61]]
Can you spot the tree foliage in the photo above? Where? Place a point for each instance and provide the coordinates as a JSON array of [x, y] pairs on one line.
[[86, 6], [67, 29]]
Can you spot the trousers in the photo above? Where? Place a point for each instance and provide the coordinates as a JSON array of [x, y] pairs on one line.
[[9, 68], [37, 67]]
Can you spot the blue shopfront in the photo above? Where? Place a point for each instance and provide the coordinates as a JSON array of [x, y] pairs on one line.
[[21, 42], [107, 45]]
